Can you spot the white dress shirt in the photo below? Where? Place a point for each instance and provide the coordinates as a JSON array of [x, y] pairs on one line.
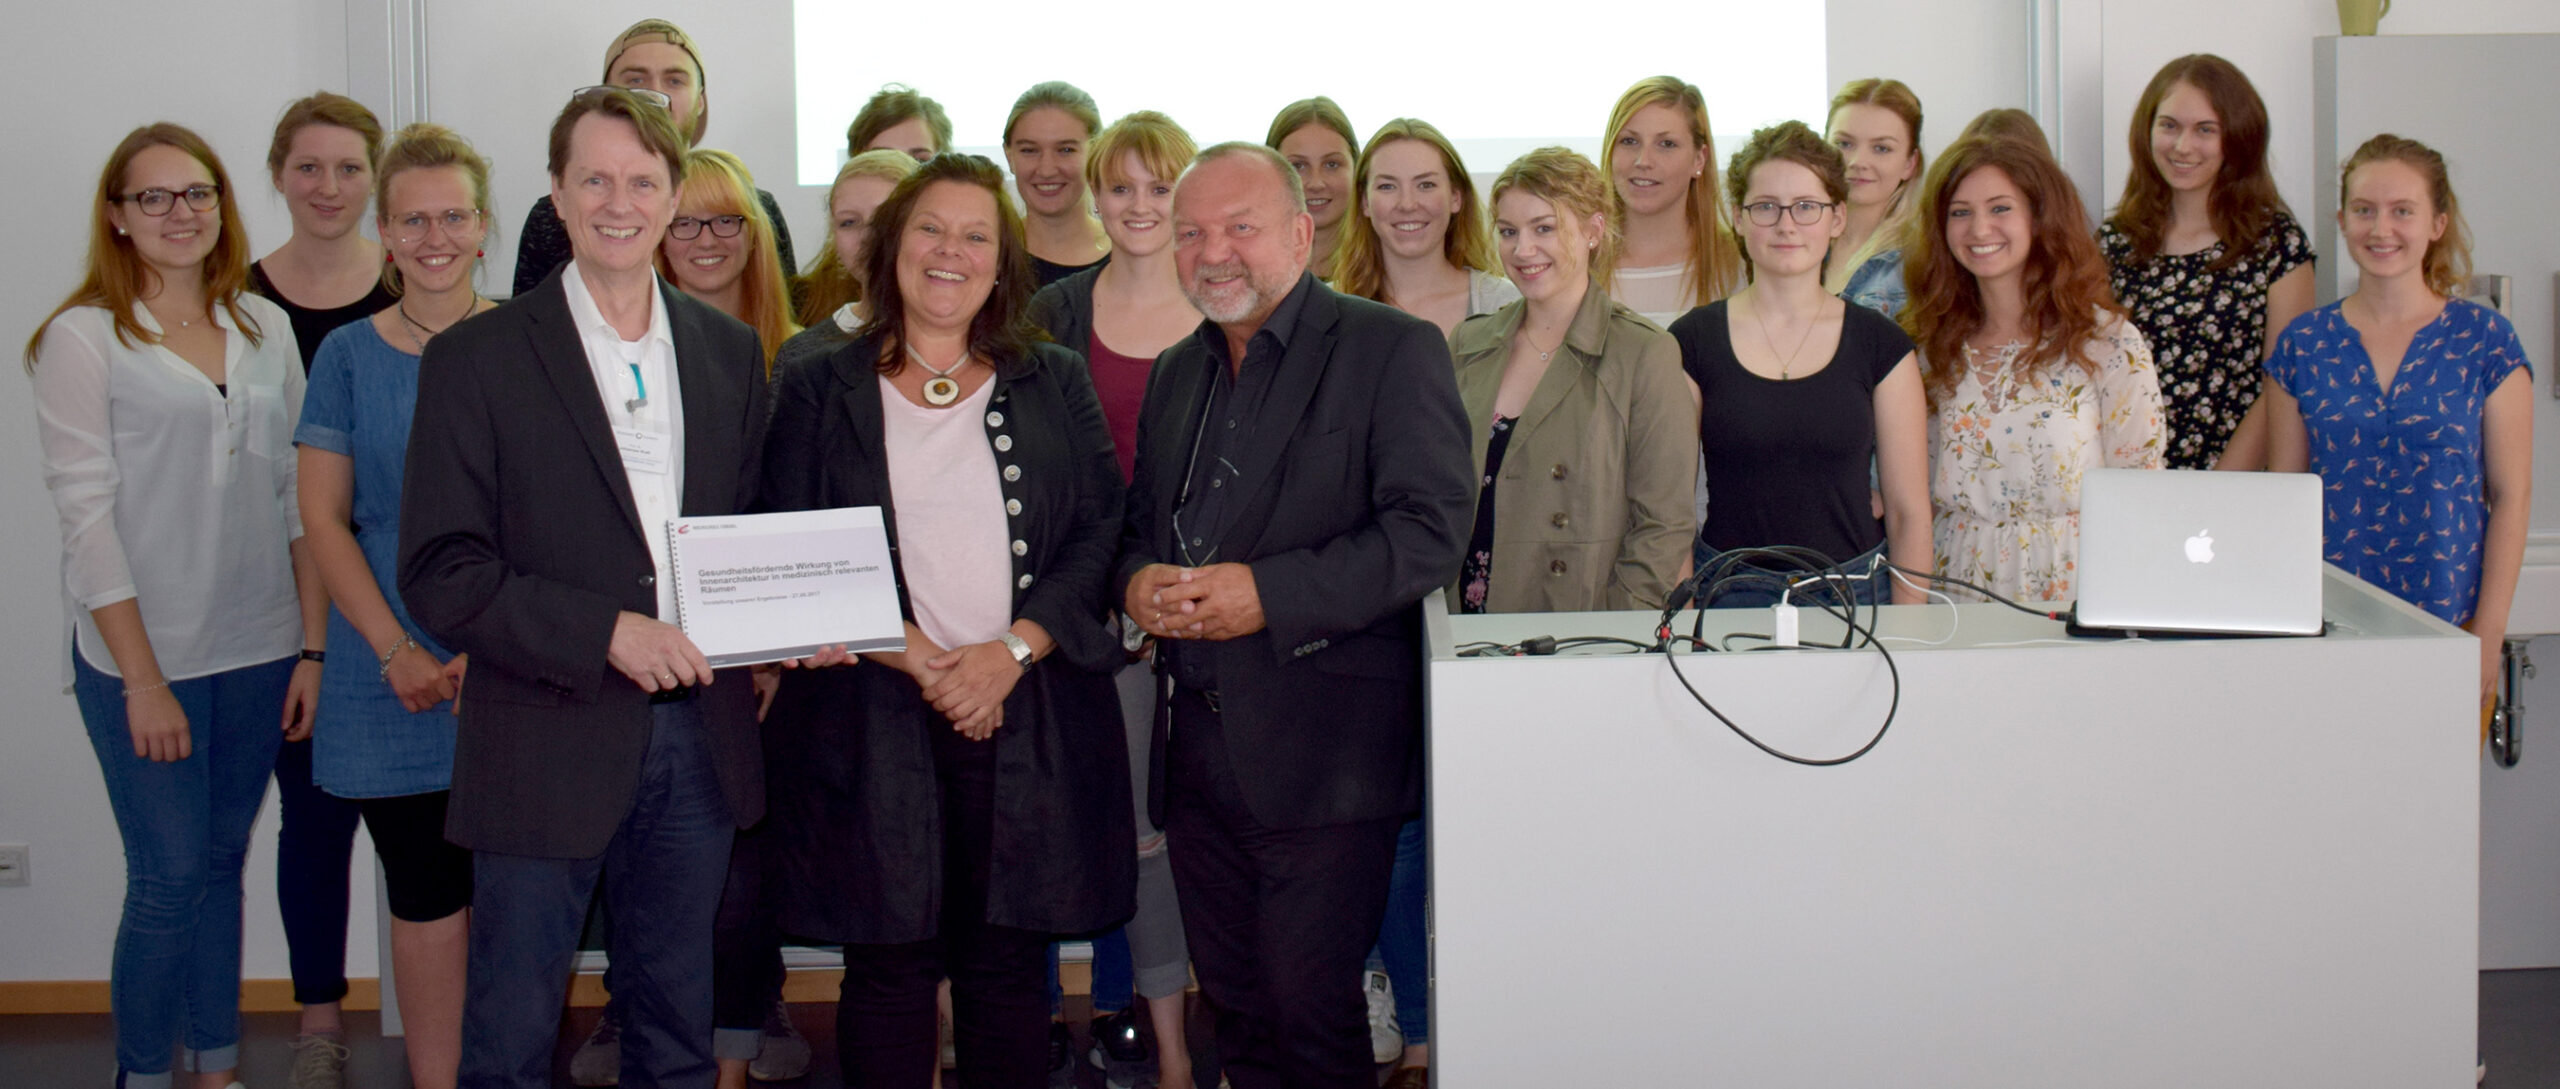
[[659, 496], [174, 492]]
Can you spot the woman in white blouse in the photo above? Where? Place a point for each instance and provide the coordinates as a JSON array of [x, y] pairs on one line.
[[165, 402]]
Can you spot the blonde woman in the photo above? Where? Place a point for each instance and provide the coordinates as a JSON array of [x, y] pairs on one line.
[[387, 698], [1675, 244], [720, 249], [831, 288], [2416, 408], [1876, 125], [1120, 317], [1417, 240], [1316, 137]]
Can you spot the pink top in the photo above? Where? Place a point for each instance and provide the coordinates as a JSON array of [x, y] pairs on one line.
[[952, 547], [1121, 382]]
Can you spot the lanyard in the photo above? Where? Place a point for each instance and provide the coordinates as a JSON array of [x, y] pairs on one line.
[[639, 391]]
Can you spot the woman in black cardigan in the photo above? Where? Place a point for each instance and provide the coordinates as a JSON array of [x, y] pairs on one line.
[[949, 812]]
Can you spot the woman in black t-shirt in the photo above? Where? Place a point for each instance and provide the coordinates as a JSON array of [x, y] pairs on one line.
[[1801, 391]]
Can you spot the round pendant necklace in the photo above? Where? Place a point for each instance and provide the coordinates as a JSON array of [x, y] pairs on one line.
[[1544, 354], [941, 389]]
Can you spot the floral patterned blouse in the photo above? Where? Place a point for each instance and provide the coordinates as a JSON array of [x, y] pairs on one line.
[[2407, 506], [2207, 328], [2007, 448]]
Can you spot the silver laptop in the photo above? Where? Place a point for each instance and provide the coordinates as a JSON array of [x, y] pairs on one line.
[[2200, 552]]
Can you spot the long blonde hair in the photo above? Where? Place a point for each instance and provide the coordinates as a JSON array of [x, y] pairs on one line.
[[115, 279], [718, 184], [2448, 261], [1714, 264], [1894, 230]]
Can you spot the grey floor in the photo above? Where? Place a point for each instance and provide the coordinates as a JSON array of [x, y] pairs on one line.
[[2519, 1034]]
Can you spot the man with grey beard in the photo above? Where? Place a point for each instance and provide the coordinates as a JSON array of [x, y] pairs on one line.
[[1302, 481]]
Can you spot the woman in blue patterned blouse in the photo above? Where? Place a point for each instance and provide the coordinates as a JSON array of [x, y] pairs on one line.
[[2415, 408]]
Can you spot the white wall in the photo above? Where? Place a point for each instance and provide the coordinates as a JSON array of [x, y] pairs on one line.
[[225, 72], [1976, 56]]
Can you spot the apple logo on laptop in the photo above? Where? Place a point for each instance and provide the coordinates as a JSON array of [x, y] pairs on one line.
[[2200, 547]]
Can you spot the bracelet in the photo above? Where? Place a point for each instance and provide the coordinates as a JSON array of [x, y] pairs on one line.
[[397, 645], [310, 655], [145, 688]]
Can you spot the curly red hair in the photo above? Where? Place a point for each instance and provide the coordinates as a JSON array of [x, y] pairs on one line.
[[2070, 297]]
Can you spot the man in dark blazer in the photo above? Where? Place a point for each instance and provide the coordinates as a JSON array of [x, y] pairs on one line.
[[553, 438], [1302, 476]]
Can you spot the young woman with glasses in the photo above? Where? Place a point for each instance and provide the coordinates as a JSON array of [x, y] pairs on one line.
[[1802, 390], [165, 396]]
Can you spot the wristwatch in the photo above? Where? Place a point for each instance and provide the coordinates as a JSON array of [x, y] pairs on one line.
[[1021, 650], [310, 655]]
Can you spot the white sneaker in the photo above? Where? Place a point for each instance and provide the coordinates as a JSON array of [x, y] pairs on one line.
[[1386, 1038]]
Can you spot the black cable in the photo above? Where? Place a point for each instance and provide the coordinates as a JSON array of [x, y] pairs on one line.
[[2030, 610], [1708, 583]]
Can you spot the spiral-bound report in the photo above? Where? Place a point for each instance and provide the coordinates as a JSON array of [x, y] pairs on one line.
[[764, 587]]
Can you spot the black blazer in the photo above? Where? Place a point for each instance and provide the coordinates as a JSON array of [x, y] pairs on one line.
[[850, 749], [1359, 486], [1065, 310], [519, 544]]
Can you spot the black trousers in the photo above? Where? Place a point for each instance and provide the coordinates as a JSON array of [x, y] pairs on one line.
[[1279, 921], [886, 1024]]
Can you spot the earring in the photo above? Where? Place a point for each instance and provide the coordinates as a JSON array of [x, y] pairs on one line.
[[479, 253], [386, 257], [119, 232]]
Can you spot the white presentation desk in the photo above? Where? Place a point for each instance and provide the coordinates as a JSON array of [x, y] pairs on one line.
[[2171, 863]]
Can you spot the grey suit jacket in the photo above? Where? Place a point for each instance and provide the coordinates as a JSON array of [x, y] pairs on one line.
[[520, 543]]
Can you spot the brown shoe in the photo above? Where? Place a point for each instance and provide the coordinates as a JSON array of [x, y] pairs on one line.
[[1410, 1077]]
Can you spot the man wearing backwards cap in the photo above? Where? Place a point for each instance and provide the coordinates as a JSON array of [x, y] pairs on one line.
[[653, 55]]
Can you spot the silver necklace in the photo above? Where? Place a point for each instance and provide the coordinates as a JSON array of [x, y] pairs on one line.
[[941, 389]]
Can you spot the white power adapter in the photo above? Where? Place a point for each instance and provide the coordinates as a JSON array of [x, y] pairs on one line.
[[1783, 624]]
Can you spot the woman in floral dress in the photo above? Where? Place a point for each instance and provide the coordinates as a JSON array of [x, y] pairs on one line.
[[2033, 374], [2205, 256]]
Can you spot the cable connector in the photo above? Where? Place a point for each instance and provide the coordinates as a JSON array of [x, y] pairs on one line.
[[1783, 624]]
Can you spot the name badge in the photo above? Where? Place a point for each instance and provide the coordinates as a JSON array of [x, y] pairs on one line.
[[645, 449]]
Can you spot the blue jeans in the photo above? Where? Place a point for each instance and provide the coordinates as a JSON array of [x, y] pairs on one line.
[[186, 827], [1755, 587], [1404, 938], [662, 875]]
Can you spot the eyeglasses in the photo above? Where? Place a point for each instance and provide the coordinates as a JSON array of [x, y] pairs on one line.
[[687, 228], [654, 98], [157, 202], [1806, 212], [412, 229]]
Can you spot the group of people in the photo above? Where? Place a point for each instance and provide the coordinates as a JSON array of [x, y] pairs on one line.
[[1171, 444]]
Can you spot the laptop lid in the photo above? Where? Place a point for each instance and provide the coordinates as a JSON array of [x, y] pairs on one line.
[[2206, 552]]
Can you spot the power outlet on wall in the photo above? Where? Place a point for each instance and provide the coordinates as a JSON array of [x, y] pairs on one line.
[[13, 864]]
